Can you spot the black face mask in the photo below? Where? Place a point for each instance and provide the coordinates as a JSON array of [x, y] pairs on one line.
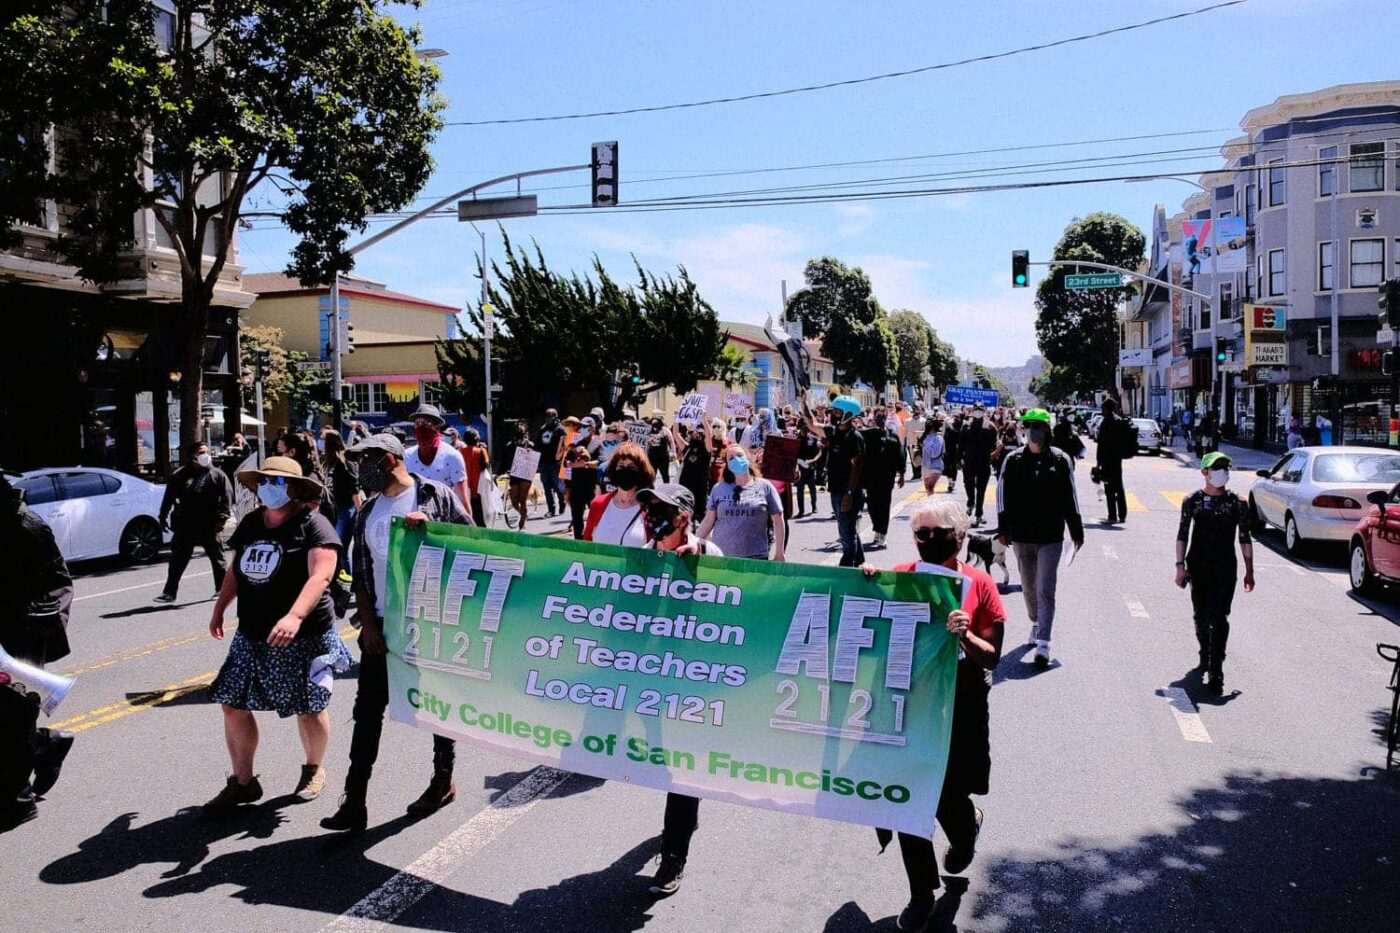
[[660, 523], [938, 548], [627, 478], [374, 477]]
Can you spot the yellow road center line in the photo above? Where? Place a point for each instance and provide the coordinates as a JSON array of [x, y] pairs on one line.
[[1134, 503], [132, 655], [1175, 497]]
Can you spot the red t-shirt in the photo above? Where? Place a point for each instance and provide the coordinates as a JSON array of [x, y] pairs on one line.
[[983, 602]]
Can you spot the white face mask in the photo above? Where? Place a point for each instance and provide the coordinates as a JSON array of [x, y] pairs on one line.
[[1218, 478], [204, 460]]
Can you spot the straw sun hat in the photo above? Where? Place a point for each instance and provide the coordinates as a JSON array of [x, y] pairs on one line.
[[304, 488]]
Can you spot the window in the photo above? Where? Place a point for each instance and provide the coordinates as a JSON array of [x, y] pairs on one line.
[[1367, 263], [37, 489], [1278, 273], [1227, 301], [81, 485], [1395, 172], [164, 28], [1259, 276], [1205, 316], [368, 397], [1278, 183], [1326, 265], [1367, 166], [1326, 172], [1249, 204], [1396, 254], [431, 393]]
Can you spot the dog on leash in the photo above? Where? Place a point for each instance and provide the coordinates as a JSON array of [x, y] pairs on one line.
[[988, 551]]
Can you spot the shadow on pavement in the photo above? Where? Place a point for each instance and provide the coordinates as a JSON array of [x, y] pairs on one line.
[[850, 918], [498, 784], [1193, 682], [1013, 666], [1257, 853], [155, 608], [1385, 609]]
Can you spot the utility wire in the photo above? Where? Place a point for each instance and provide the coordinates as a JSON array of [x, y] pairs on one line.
[[854, 81]]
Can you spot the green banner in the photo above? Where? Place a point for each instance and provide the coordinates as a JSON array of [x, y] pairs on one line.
[[799, 688]]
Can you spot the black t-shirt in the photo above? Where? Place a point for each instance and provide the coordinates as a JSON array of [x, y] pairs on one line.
[[695, 469], [547, 442], [842, 448], [344, 479], [1218, 520], [272, 567]]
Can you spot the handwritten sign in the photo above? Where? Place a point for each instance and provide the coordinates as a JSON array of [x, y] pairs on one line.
[[526, 463], [780, 458], [692, 410]]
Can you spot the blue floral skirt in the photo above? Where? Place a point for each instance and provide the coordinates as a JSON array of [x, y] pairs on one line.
[[294, 680]]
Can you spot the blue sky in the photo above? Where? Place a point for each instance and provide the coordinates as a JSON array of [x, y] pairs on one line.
[[946, 257]]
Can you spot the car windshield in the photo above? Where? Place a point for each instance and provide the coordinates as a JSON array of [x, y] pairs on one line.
[[1357, 468], [1145, 423]]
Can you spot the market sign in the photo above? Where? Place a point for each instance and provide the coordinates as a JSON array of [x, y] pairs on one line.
[[1265, 336]]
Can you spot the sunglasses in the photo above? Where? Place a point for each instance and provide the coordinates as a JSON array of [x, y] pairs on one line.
[[660, 513], [926, 535]]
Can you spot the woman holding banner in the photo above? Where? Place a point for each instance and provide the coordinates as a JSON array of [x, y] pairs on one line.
[[743, 507], [940, 528], [616, 517]]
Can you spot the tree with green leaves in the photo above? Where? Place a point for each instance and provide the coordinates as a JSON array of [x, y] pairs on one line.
[[838, 305], [557, 337], [195, 108], [943, 363], [1053, 386], [924, 358], [1078, 330], [307, 391]]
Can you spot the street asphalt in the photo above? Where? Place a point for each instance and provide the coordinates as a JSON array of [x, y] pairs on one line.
[[1123, 797]]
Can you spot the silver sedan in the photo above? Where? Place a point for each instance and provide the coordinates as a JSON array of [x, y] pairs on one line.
[[1318, 493]]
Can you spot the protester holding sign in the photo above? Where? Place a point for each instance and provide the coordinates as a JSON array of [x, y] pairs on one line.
[[743, 508], [520, 482], [615, 517], [940, 528], [669, 510], [285, 652], [695, 463], [393, 492]]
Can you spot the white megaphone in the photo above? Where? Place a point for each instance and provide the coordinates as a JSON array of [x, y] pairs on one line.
[[26, 678]]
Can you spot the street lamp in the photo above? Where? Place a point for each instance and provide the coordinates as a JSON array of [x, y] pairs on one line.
[[427, 55]]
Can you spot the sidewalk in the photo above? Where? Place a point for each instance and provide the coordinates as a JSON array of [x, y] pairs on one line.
[[1243, 458]]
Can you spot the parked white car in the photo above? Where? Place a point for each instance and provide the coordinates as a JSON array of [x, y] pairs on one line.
[[1149, 435], [1318, 493], [97, 513]]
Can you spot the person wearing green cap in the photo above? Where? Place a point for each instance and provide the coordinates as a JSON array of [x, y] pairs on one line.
[[1211, 518], [1036, 502]]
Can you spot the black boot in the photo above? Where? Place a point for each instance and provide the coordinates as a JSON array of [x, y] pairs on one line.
[[441, 791], [50, 748], [1215, 681], [352, 816], [667, 880]]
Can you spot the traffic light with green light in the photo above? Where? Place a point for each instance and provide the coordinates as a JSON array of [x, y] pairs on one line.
[[1020, 268], [1222, 350]]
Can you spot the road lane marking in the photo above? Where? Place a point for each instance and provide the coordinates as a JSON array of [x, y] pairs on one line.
[[387, 903], [1175, 497], [831, 560], [140, 702], [135, 653], [140, 586], [1136, 609], [1109, 552], [1134, 503], [1188, 720]]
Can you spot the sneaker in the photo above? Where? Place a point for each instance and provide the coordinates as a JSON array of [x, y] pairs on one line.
[[351, 817], [48, 761], [957, 859], [311, 782], [441, 791], [914, 916], [1215, 682], [1042, 655], [20, 811], [164, 598], [234, 795], [667, 879]]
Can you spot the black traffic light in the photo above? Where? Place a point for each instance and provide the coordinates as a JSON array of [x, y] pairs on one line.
[[1020, 268], [1389, 359], [1389, 304], [262, 363], [605, 174], [1222, 350]]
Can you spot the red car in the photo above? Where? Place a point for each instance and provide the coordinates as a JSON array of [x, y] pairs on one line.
[[1375, 543]]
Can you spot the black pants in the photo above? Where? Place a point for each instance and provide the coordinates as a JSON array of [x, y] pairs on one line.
[[581, 489], [975, 478], [371, 699], [182, 549], [1212, 593], [958, 817], [877, 500], [678, 825], [806, 479], [1111, 473], [18, 716]]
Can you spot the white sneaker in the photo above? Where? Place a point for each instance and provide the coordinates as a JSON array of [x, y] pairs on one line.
[[877, 541], [1041, 656]]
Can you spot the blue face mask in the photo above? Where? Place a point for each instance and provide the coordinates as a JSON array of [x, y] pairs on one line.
[[273, 493], [738, 465]]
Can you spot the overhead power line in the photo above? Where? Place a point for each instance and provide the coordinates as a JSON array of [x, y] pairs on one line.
[[806, 89]]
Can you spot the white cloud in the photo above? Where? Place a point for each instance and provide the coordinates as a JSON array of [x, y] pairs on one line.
[[855, 219]]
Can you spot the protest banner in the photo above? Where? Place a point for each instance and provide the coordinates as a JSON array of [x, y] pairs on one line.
[[692, 410], [801, 688], [780, 458], [638, 432], [525, 464]]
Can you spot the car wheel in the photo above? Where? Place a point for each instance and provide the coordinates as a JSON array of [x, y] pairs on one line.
[[141, 540], [1292, 540], [1256, 520], [1363, 581]]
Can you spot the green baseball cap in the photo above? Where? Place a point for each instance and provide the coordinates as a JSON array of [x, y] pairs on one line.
[[1036, 414], [1210, 460]]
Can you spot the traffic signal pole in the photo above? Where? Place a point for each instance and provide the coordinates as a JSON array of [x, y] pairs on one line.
[[1104, 267]]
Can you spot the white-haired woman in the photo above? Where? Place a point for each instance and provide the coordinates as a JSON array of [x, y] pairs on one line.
[[940, 527]]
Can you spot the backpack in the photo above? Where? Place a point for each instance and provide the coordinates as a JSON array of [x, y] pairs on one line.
[[1127, 440]]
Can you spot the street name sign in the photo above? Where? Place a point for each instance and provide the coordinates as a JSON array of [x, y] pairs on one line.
[[495, 208], [971, 395], [1096, 280]]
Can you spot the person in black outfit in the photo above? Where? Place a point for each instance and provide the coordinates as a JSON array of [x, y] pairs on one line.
[[1113, 435], [809, 454], [845, 461], [344, 481], [979, 439], [885, 461], [695, 465], [952, 450], [549, 441], [1062, 437], [201, 500], [659, 450], [36, 592], [1211, 520]]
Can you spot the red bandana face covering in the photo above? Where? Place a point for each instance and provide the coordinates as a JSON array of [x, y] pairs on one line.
[[427, 436]]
